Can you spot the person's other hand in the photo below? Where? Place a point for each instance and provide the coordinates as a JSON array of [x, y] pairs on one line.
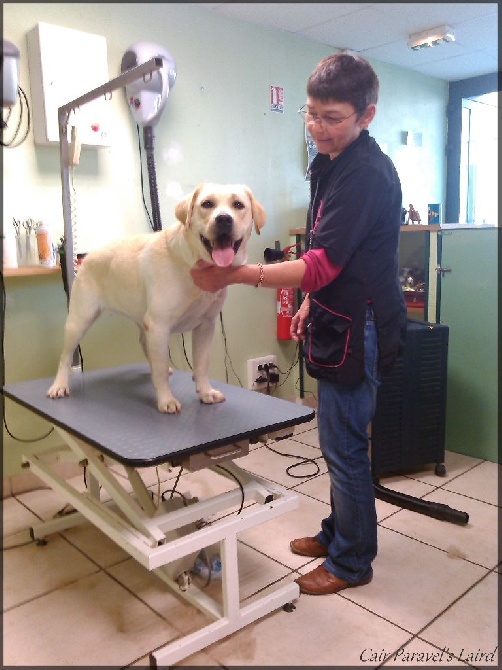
[[299, 321]]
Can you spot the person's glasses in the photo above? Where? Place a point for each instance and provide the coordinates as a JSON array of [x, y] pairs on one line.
[[325, 121]]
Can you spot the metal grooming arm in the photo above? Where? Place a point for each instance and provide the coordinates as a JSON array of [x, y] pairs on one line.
[[64, 154]]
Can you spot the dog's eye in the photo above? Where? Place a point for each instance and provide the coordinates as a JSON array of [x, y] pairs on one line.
[[207, 204], [237, 204]]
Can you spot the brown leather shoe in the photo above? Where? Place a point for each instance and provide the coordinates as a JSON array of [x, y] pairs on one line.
[[308, 546], [320, 582]]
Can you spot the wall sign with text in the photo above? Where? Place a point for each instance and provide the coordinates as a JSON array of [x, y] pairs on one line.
[[277, 99]]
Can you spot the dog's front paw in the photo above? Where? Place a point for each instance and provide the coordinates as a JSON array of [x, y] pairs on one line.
[[58, 390], [169, 405], [211, 396]]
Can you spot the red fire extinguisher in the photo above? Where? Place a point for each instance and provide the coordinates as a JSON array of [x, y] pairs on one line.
[[285, 305]]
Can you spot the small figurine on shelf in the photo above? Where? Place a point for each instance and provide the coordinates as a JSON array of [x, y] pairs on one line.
[[413, 215]]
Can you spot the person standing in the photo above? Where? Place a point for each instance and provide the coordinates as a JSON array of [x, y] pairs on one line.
[[353, 316]]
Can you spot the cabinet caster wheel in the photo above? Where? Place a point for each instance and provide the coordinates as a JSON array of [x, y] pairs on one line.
[[289, 607], [41, 542], [440, 469]]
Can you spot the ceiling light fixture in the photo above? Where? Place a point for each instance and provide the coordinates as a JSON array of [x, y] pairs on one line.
[[430, 38]]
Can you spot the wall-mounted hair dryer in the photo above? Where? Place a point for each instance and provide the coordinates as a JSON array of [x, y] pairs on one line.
[[147, 96], [10, 73]]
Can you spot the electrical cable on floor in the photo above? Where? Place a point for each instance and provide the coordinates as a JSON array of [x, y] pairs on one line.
[[303, 461]]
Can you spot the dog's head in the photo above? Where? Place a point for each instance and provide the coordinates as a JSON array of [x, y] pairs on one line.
[[222, 217]]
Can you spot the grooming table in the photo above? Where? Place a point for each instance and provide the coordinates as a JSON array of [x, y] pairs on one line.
[[111, 416]]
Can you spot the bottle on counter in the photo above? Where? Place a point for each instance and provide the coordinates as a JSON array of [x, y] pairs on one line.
[[46, 251]]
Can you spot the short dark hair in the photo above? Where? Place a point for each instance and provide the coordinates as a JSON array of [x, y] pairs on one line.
[[344, 77]]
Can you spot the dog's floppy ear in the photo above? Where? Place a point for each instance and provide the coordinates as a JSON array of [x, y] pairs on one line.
[[257, 210], [184, 208]]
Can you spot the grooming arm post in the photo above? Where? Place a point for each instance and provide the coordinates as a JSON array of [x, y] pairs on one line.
[[63, 115]]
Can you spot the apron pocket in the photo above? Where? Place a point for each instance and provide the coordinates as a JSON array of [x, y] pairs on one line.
[[328, 336]]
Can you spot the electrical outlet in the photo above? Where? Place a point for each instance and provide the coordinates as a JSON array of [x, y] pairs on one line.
[[254, 373]]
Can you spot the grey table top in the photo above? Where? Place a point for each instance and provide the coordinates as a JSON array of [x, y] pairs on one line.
[[114, 410]]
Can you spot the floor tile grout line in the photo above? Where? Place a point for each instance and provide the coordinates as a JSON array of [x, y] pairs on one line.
[[453, 602], [414, 637], [427, 544], [370, 611], [442, 487], [464, 495], [465, 472], [54, 590]]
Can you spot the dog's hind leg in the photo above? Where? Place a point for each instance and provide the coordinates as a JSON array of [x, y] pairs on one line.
[[81, 315]]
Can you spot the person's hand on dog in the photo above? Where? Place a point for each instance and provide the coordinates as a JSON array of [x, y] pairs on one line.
[[210, 277]]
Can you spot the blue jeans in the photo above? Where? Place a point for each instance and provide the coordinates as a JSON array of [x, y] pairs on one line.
[[343, 415]]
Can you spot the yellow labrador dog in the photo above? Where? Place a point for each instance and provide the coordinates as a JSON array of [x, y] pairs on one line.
[[147, 278]]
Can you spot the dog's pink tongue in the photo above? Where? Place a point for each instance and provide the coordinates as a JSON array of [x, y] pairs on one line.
[[223, 257]]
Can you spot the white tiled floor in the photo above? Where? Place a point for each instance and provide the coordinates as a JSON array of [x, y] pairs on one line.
[[82, 601]]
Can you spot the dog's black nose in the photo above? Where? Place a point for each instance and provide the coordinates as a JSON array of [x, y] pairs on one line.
[[224, 223]]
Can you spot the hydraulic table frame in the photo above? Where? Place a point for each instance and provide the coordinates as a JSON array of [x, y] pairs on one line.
[[111, 417]]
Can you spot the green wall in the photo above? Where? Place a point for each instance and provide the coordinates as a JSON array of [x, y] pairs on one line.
[[469, 307], [217, 126]]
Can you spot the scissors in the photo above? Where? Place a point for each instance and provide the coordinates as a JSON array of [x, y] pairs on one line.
[[30, 225], [17, 226]]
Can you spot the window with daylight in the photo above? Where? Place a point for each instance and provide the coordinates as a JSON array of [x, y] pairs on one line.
[[471, 151], [478, 160]]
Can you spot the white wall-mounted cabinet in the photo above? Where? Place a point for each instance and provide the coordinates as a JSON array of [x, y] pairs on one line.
[[64, 64]]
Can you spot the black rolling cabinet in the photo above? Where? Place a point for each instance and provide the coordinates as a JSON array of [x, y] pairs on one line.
[[408, 429]]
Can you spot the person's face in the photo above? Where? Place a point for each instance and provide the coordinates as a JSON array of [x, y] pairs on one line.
[[334, 125]]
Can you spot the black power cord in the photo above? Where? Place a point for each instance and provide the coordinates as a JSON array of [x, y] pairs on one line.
[[303, 460], [2, 353], [14, 141], [228, 360]]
